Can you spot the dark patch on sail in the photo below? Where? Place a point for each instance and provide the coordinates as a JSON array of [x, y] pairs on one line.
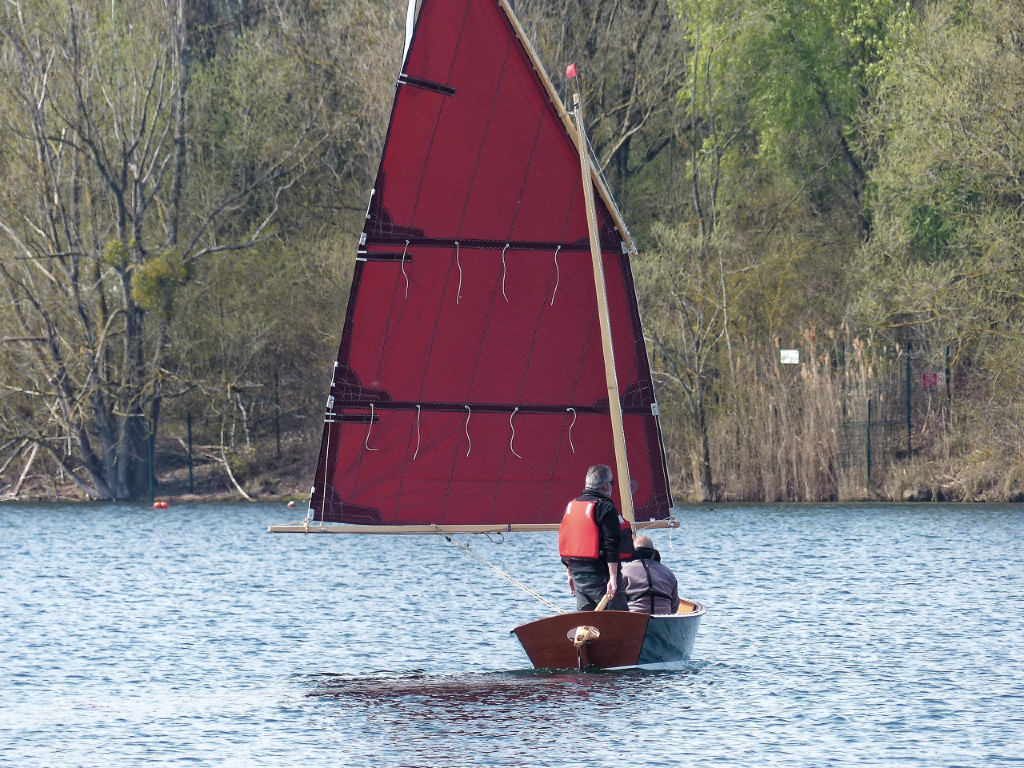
[[334, 510], [655, 510], [609, 236], [349, 388], [639, 394], [379, 220], [353, 513]]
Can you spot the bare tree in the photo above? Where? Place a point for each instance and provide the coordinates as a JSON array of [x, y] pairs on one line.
[[684, 284], [632, 67], [99, 227]]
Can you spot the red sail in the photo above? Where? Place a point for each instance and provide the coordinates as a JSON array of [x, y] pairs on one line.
[[470, 385]]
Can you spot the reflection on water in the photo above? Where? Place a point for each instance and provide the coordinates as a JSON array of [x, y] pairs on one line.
[[489, 718], [485, 689], [470, 689], [840, 635]]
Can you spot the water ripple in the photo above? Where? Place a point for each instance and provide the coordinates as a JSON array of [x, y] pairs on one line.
[[842, 635]]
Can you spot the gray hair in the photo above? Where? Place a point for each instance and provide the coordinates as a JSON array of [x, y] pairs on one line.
[[598, 475], [643, 541]]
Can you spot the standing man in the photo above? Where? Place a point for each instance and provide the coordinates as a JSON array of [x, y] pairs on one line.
[[592, 540]]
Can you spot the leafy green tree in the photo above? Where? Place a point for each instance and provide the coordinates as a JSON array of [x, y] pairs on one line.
[[761, 200], [943, 264], [812, 67]]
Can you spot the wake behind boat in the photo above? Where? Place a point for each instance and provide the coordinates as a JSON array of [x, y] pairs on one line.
[[492, 348]]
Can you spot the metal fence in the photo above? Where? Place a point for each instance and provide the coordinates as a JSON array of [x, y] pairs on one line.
[[904, 413]]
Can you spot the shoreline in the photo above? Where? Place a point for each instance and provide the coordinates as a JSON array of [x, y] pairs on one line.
[[295, 499]]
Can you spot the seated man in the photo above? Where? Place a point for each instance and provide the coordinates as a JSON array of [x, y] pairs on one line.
[[650, 586]]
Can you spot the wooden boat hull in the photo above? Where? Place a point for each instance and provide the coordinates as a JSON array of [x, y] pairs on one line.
[[622, 640]]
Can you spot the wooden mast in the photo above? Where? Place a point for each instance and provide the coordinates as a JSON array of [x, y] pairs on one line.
[[614, 404]]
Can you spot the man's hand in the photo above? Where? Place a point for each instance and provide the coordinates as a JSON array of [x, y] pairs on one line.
[[613, 580]]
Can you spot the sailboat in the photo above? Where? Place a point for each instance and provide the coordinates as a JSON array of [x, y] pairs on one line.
[[492, 348]]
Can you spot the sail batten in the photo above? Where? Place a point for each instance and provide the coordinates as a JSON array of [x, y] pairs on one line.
[[305, 527], [582, 246], [469, 386], [505, 408]]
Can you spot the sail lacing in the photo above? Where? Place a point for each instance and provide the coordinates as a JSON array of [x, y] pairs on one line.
[[503, 270], [403, 269], [469, 413], [417, 451], [512, 439], [573, 412], [557, 274], [507, 576], [458, 293], [366, 441]]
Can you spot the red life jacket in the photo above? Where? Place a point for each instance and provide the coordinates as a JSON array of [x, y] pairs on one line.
[[578, 534]]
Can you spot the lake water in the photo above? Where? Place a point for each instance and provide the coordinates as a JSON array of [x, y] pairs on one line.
[[840, 635]]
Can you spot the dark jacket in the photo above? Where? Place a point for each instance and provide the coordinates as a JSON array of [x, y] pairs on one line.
[[650, 586]]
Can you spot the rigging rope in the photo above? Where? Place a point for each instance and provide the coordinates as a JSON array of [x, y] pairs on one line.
[[369, 205], [509, 577], [469, 448], [594, 165], [327, 448]]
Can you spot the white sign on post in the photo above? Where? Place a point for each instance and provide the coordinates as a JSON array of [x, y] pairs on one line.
[[789, 356]]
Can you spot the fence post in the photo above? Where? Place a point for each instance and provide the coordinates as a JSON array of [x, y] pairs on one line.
[[949, 402], [188, 421], [277, 415], [867, 444], [909, 425], [152, 469]]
